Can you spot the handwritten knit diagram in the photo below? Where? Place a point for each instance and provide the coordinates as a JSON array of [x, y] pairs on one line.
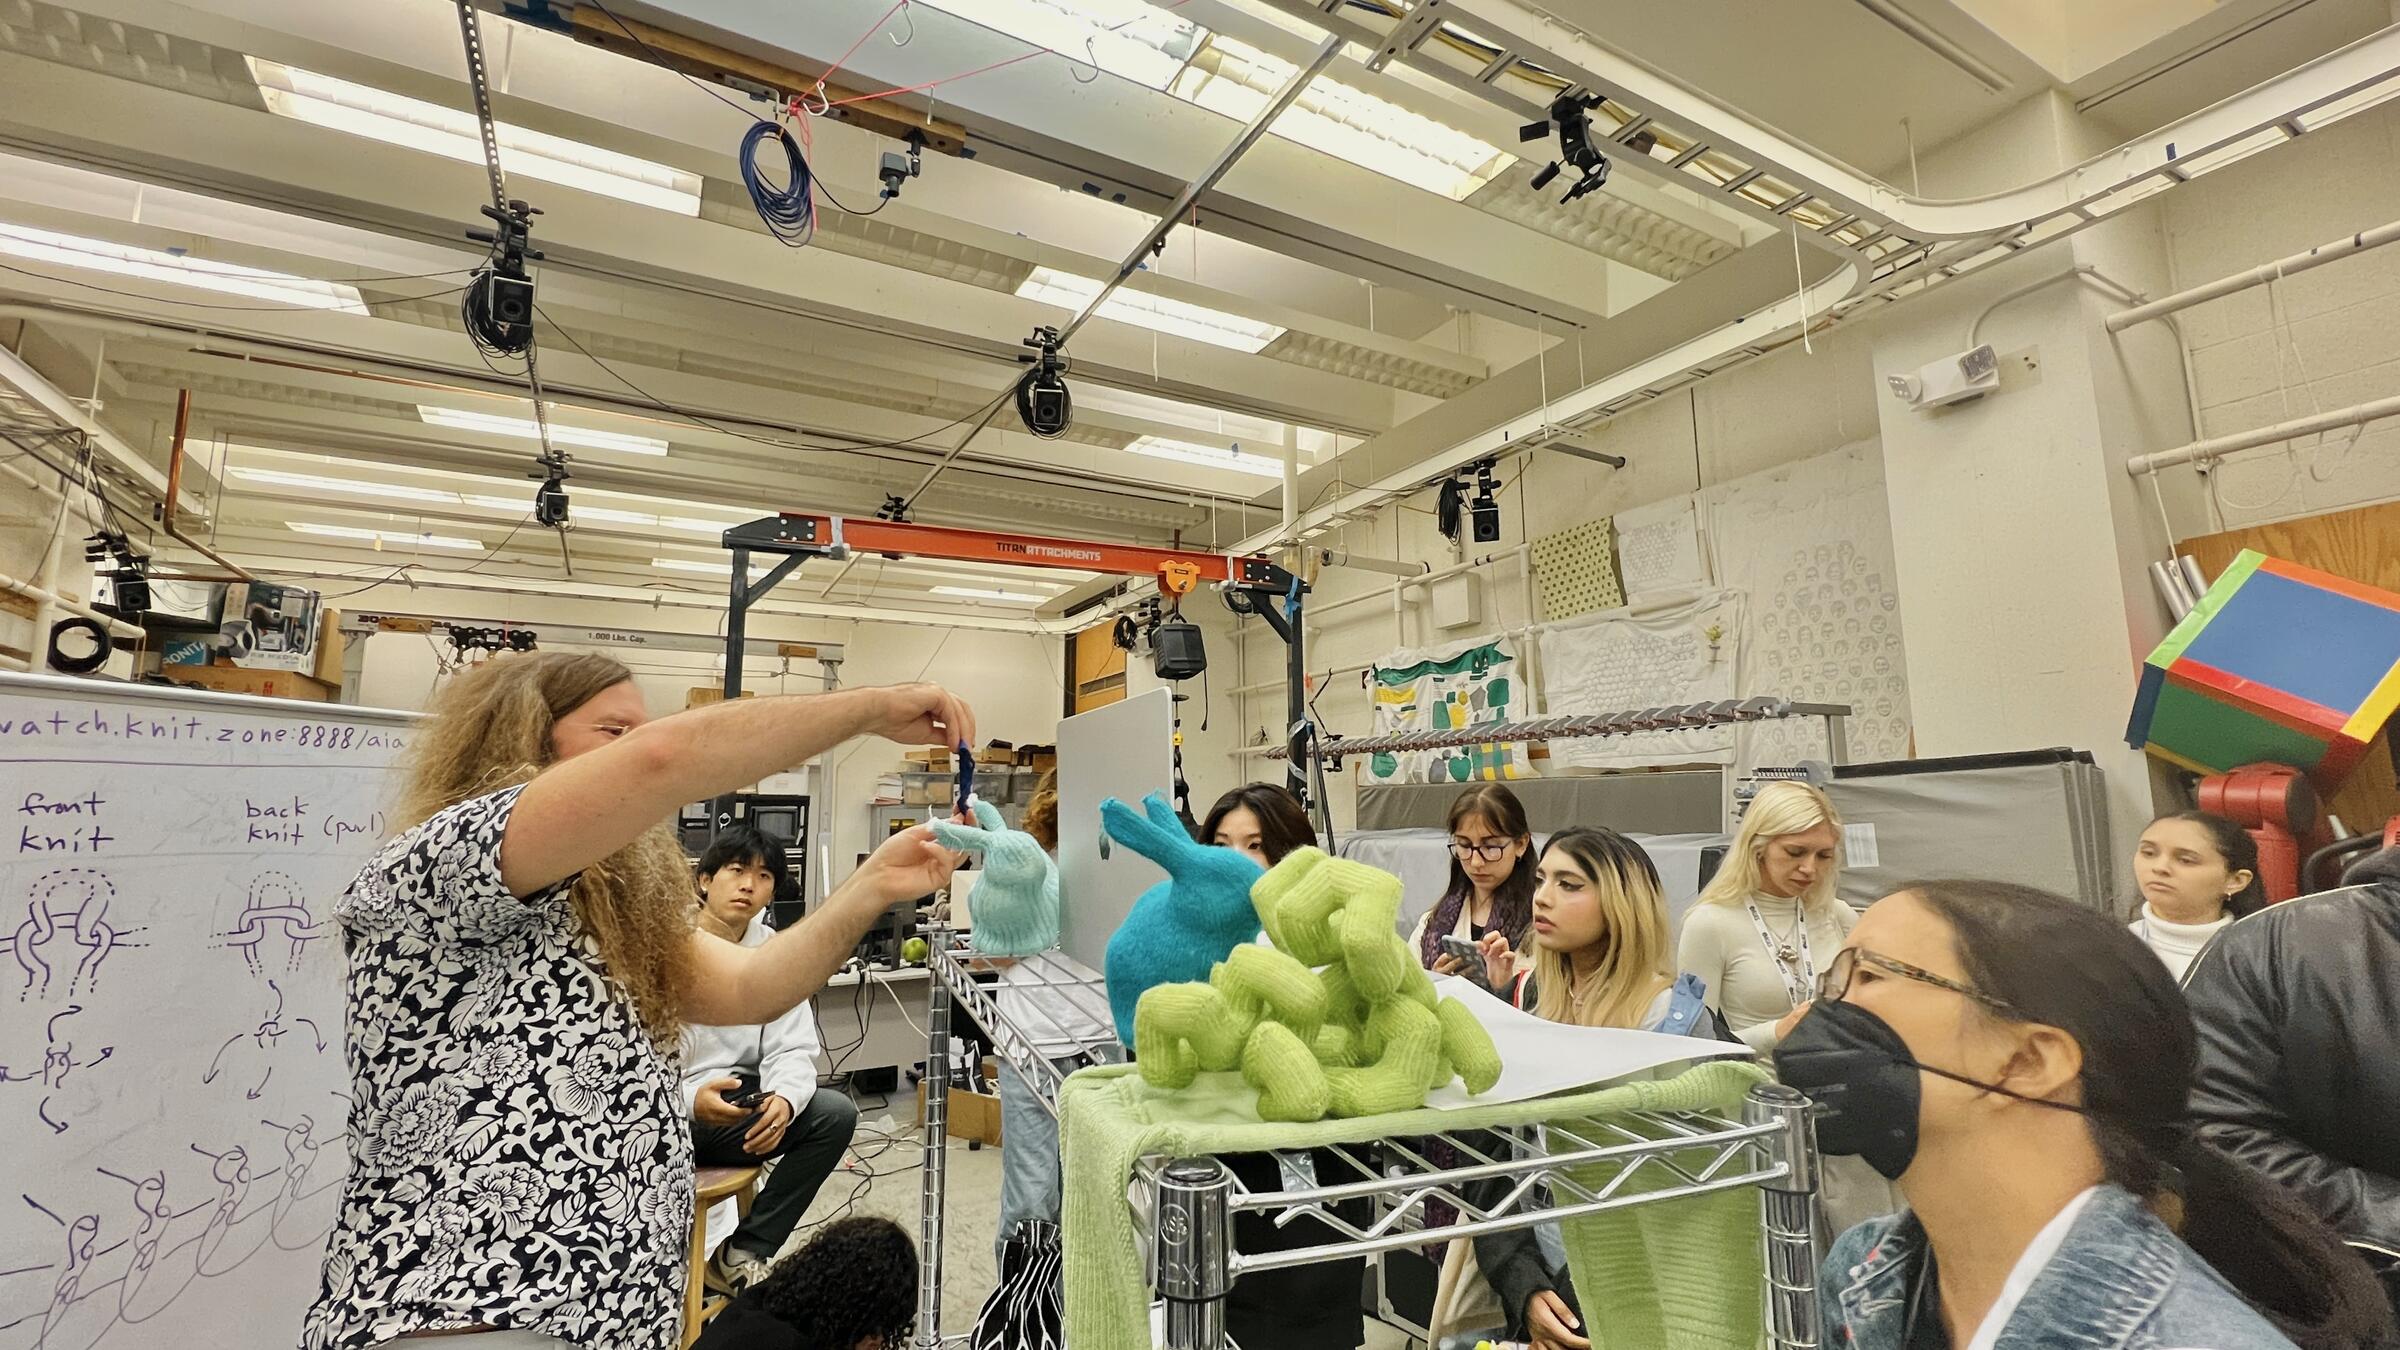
[[276, 925], [171, 1082], [108, 1271], [59, 1059], [254, 1051], [66, 928]]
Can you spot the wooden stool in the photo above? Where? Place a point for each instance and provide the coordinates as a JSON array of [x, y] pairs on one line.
[[709, 1185]]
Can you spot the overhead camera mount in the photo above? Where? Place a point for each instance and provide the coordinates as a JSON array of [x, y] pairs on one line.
[[1453, 509], [550, 499], [1571, 113], [1043, 402], [499, 304], [898, 168]]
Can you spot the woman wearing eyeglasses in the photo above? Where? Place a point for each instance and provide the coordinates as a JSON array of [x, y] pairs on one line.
[[1491, 879], [2020, 1065]]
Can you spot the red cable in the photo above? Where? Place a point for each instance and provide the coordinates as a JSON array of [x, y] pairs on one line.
[[872, 30]]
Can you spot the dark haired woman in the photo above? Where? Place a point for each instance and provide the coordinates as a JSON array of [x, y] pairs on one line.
[[1305, 1307], [2197, 873], [1491, 878], [851, 1287], [1263, 820], [2021, 1066]]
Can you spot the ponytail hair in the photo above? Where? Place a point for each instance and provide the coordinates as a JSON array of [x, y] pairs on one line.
[[2240, 853], [2062, 965]]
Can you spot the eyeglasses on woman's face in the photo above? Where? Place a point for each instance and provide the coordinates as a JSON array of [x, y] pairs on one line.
[[1858, 965], [1490, 850]]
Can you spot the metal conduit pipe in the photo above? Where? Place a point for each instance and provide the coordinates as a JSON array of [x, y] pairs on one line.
[[1335, 557], [2257, 276], [1663, 601], [1318, 609], [2218, 447], [166, 505], [435, 580]]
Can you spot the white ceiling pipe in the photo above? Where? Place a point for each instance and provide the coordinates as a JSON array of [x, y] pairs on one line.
[[2221, 446], [2256, 276], [1335, 557], [44, 595]]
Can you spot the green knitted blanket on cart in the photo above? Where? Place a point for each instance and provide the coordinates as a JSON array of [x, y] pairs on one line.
[[1682, 1274]]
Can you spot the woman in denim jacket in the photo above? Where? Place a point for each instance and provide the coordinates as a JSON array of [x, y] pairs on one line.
[[2020, 1065]]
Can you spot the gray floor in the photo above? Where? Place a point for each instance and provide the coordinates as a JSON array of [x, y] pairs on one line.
[[893, 1190]]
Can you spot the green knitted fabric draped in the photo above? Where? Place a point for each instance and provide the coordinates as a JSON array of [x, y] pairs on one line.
[[1676, 1275]]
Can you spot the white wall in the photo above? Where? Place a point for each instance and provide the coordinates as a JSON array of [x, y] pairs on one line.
[[2337, 339], [1788, 407]]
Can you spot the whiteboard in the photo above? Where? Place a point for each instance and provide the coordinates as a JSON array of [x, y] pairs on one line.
[[1126, 751], [174, 1101]]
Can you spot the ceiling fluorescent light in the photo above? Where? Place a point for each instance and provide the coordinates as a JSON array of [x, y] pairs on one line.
[[1070, 292], [364, 110], [978, 593], [1159, 447], [1144, 44], [380, 538], [1348, 123], [1122, 37], [723, 569], [2356, 101], [99, 255], [492, 424], [317, 482]]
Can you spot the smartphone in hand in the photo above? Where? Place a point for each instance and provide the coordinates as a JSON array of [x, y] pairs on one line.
[[1454, 945]]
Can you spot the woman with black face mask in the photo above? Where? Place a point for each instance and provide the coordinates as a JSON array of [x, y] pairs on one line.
[[2020, 1065]]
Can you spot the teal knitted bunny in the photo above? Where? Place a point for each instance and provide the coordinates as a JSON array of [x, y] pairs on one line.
[[1184, 925], [1016, 902]]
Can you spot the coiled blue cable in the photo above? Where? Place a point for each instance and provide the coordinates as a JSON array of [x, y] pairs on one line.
[[790, 210]]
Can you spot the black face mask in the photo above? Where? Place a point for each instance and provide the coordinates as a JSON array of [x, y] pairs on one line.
[[1859, 1073]]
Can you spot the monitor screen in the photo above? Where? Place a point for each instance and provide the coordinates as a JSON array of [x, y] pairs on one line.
[[779, 823]]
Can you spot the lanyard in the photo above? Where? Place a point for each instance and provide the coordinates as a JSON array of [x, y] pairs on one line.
[[1799, 982]]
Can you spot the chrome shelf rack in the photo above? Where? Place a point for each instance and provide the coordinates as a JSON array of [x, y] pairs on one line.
[[1184, 1207]]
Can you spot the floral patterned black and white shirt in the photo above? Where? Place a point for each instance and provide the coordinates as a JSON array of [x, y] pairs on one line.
[[519, 1155]]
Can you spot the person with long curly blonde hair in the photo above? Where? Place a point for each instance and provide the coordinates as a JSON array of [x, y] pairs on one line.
[[521, 964]]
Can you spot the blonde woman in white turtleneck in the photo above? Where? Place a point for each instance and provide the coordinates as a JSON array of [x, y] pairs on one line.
[[1765, 927], [1769, 920], [2197, 873]]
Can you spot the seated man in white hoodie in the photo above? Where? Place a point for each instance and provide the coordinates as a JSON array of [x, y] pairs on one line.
[[791, 1119]]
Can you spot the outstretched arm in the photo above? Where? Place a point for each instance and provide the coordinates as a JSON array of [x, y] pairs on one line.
[[749, 986], [586, 808]]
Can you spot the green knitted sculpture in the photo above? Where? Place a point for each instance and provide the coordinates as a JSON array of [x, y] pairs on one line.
[[1362, 1033]]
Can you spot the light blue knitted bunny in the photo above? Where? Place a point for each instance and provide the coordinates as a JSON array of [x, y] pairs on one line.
[[1016, 902], [1183, 926]]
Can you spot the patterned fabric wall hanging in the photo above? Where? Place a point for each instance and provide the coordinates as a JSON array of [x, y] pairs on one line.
[[1577, 569], [1457, 685]]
